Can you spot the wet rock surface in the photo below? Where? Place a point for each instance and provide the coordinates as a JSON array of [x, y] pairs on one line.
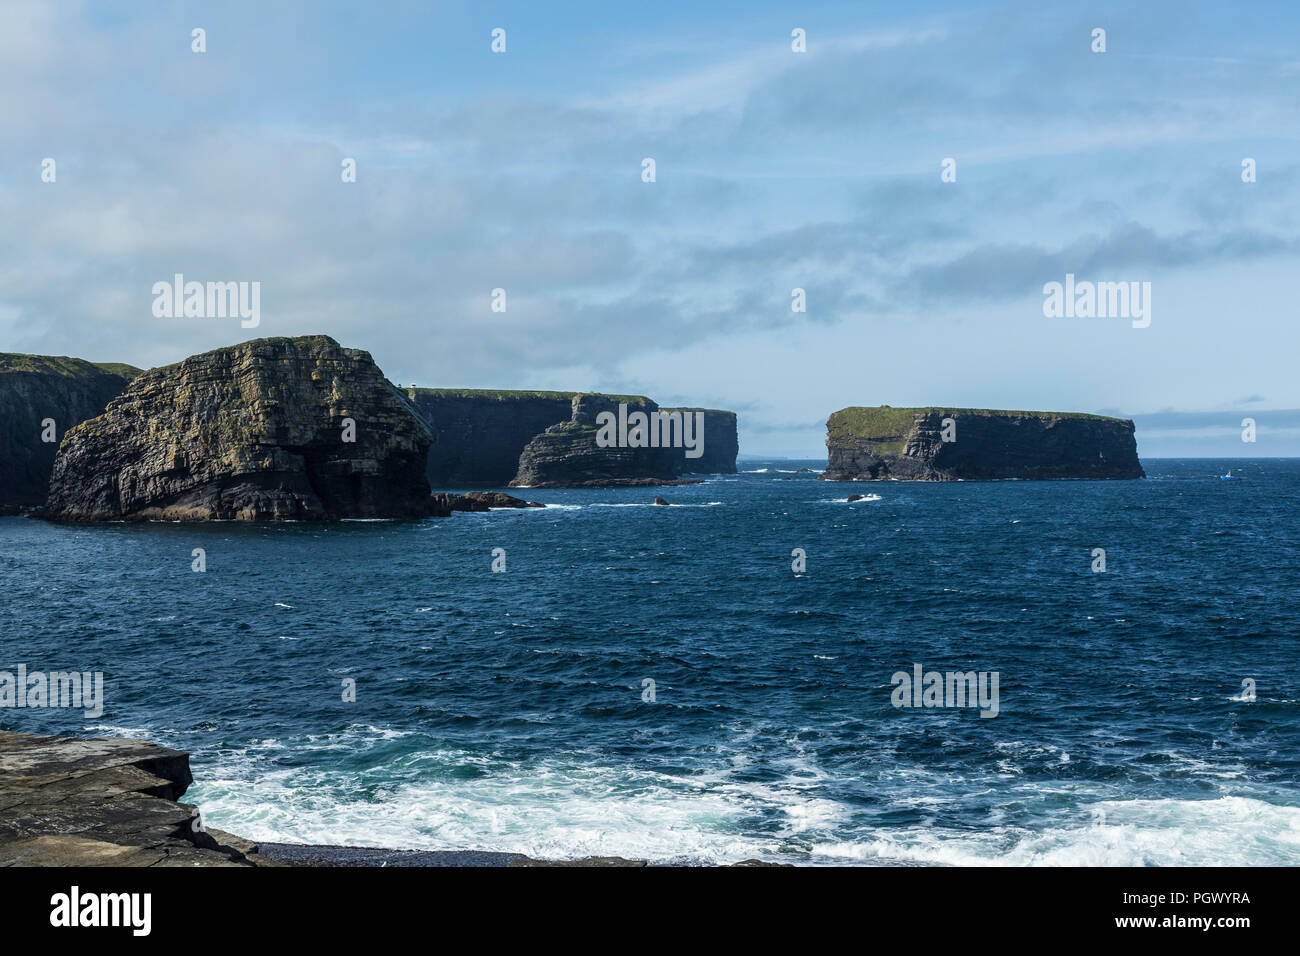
[[104, 802], [67, 801], [447, 502]]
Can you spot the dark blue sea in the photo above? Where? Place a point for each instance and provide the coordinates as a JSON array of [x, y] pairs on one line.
[[505, 711]]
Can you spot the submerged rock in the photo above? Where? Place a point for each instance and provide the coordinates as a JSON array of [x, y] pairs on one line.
[[280, 428], [661, 501], [499, 499], [865, 444]]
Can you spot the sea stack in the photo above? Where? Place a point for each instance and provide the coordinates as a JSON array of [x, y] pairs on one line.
[[972, 444], [568, 456], [279, 428], [483, 435]]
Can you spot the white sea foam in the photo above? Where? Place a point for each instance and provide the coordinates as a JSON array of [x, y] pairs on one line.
[[1228, 831], [543, 812], [422, 799]]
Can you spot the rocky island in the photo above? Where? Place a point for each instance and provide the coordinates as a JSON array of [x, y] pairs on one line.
[[972, 444], [279, 428], [305, 429], [44, 396]]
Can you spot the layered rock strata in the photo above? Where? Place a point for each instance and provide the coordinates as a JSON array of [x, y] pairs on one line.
[[952, 444], [281, 428]]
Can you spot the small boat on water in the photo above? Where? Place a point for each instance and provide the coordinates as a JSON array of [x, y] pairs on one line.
[[1229, 476]]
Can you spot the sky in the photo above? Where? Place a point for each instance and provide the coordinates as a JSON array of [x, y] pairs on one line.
[[774, 170]]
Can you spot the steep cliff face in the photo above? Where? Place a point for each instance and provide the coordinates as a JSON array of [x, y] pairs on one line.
[[907, 443], [483, 434], [34, 388], [567, 456], [721, 444], [250, 432]]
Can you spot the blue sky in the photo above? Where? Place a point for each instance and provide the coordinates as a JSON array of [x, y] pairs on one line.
[[775, 170]]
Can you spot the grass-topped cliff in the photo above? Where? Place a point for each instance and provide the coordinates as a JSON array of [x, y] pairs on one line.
[[40, 395], [866, 443], [861, 421], [63, 365], [515, 394]]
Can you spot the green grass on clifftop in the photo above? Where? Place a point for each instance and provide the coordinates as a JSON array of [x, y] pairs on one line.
[[696, 408], [516, 395], [118, 368], [62, 365], [886, 422]]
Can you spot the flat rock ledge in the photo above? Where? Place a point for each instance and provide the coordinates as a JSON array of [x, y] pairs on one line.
[[110, 801], [104, 802]]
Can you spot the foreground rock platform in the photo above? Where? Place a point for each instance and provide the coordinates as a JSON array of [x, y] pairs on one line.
[[110, 802], [104, 802]]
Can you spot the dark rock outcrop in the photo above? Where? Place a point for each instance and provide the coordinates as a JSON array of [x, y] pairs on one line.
[[483, 436], [34, 388], [480, 501], [567, 456], [499, 499], [866, 444], [254, 431], [104, 802]]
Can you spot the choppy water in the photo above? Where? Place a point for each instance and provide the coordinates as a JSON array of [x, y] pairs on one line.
[[503, 710]]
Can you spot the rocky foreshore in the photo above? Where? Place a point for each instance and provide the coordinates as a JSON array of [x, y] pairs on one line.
[[110, 801], [104, 802]]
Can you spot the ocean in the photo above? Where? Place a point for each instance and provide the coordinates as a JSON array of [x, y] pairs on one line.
[[509, 710]]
